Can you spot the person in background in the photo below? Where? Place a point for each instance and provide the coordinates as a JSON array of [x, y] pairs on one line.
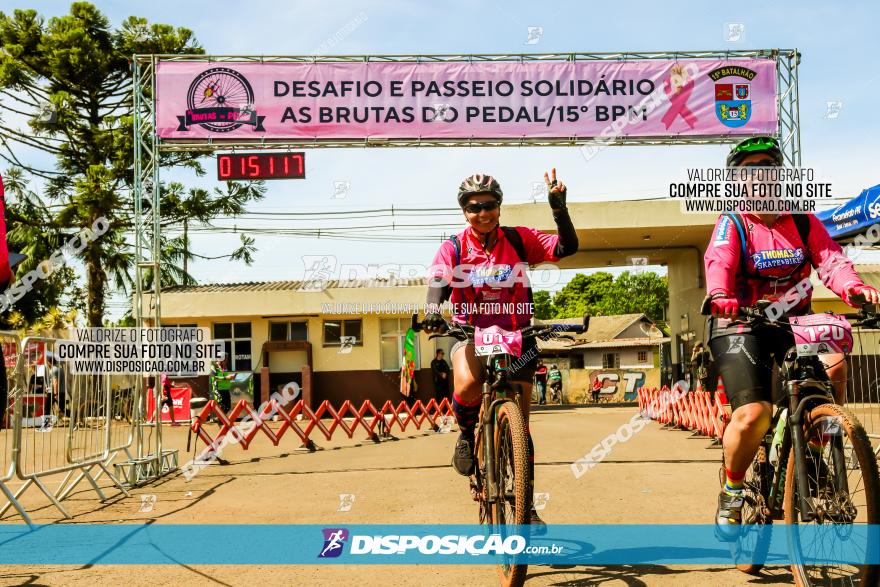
[[166, 399], [59, 386], [220, 379], [541, 382], [597, 387], [3, 391], [554, 379], [700, 359], [440, 373]]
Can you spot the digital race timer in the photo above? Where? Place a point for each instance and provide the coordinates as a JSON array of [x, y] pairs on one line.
[[261, 166]]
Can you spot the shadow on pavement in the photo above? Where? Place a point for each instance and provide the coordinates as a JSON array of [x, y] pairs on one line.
[[639, 575]]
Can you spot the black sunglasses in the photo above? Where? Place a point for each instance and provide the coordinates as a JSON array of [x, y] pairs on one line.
[[761, 163], [474, 207]]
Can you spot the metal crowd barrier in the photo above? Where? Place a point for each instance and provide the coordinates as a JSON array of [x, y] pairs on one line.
[[62, 424], [121, 428], [863, 384], [10, 342]]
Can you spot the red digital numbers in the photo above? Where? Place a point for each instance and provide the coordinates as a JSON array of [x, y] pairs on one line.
[[261, 166]]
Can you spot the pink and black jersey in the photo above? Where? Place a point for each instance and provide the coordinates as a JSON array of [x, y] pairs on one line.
[[489, 280], [776, 259]]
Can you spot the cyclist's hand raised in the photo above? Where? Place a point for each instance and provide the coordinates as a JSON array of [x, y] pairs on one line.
[[868, 293], [557, 190], [725, 307], [434, 323]]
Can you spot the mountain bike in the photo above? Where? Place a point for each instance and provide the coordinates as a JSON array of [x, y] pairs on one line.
[[501, 482], [787, 481]]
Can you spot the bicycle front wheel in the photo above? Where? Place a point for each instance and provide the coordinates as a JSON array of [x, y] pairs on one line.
[[844, 488], [512, 460]]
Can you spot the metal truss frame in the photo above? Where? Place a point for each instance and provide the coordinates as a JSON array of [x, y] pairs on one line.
[[148, 147]]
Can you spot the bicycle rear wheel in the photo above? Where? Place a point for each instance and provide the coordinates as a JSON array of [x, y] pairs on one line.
[[511, 458], [845, 491]]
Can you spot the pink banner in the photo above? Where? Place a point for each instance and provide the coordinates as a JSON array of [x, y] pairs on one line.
[[460, 100], [180, 397]]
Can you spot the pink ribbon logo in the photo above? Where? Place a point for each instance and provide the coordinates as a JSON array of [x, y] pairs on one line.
[[678, 104]]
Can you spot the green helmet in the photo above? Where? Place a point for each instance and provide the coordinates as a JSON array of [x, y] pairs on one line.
[[750, 146]]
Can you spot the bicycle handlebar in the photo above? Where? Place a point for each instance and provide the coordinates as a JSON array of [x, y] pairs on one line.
[[757, 313]]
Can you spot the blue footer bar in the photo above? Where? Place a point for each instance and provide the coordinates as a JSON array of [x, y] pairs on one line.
[[624, 544]]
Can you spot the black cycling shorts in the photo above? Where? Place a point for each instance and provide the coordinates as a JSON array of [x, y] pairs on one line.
[[745, 359]]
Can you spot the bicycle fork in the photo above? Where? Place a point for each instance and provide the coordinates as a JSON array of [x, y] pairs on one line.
[[488, 443], [797, 409]]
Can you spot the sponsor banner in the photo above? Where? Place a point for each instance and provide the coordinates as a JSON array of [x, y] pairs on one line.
[[281, 544], [853, 216], [460, 100], [180, 397]]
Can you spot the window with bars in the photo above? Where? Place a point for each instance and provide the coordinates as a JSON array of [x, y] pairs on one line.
[[297, 330], [334, 330], [236, 338], [610, 361]]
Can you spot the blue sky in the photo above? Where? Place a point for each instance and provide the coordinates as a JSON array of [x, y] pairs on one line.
[[838, 42]]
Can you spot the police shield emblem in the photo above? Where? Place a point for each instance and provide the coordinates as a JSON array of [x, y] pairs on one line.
[[733, 104]]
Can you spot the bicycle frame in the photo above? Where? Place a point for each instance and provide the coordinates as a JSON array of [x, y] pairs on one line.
[[793, 435], [495, 379], [798, 372]]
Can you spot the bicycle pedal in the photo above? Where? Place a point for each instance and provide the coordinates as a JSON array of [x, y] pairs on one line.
[[475, 495]]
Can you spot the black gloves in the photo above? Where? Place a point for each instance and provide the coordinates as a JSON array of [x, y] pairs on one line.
[[434, 322], [556, 196]]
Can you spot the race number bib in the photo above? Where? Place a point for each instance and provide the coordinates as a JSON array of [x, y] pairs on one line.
[[497, 341], [821, 334]]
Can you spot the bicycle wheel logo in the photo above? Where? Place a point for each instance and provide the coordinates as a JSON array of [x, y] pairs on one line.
[[221, 100]]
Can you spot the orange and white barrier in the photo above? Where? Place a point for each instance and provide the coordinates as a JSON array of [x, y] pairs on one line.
[[700, 411], [302, 421]]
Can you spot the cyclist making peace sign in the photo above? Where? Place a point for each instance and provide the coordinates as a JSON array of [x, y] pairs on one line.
[[492, 259]]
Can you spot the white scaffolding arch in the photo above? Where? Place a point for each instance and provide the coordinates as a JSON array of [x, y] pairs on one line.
[[148, 146]]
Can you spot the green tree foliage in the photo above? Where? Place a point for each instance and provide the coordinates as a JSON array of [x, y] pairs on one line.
[[584, 294], [66, 90], [543, 305], [599, 294], [640, 292]]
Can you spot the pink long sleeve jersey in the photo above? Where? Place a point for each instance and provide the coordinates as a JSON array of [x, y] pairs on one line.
[[490, 280], [776, 260]]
